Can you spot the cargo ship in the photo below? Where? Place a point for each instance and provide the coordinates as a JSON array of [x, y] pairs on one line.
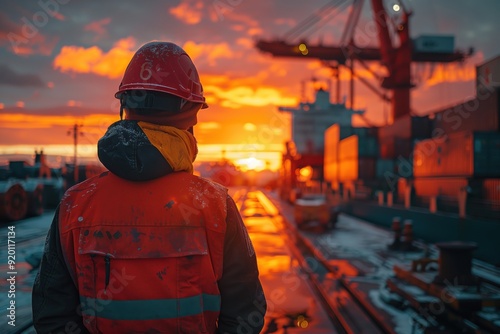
[[441, 171]]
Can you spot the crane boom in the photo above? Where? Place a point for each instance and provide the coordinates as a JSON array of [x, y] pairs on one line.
[[395, 57], [281, 48]]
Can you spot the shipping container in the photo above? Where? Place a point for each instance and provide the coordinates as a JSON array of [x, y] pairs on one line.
[[355, 146], [488, 76], [356, 169], [385, 168], [330, 171], [407, 127], [400, 128], [395, 148], [337, 132], [467, 154], [439, 186], [434, 44], [404, 166], [481, 113], [331, 143], [421, 127], [332, 135], [402, 183], [491, 190], [362, 131]]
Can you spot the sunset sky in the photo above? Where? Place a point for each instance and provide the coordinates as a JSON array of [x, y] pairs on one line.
[[61, 62]]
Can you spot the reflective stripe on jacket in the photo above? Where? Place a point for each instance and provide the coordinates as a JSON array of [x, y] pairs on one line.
[[146, 256]]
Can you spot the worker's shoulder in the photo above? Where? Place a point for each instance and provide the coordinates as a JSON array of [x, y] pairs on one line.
[[211, 183], [91, 182]]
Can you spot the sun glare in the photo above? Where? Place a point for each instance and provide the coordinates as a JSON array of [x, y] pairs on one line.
[[251, 163]]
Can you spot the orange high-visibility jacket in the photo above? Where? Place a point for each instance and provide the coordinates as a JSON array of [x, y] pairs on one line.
[[149, 259]]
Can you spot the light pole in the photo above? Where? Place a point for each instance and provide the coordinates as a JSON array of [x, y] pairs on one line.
[[75, 133]]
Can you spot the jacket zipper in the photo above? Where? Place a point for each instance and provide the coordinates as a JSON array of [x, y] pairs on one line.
[[107, 266]]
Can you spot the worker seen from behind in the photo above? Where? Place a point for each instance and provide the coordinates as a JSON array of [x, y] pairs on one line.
[[148, 247]]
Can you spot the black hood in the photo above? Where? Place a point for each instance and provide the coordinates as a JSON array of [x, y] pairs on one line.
[[127, 152]]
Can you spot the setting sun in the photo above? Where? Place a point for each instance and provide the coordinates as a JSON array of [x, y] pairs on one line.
[[250, 164]]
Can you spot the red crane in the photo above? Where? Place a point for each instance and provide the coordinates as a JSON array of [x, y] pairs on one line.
[[395, 53]]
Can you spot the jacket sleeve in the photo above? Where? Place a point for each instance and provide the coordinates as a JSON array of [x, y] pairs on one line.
[[55, 298], [243, 303]]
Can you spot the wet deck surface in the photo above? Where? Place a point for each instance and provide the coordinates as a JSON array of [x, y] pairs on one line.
[[30, 239], [293, 307]]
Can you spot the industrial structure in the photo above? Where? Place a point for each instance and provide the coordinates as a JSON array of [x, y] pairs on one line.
[[390, 144], [309, 122], [396, 51], [27, 189], [446, 163], [435, 178]]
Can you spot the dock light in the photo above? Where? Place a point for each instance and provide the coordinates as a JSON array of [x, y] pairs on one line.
[[302, 322], [303, 49], [396, 7], [305, 174]]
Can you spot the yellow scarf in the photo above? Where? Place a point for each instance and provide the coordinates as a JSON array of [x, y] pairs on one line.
[[177, 146]]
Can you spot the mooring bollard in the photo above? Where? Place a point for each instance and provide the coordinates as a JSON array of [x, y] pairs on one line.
[[433, 204], [407, 237], [407, 196], [396, 228], [380, 197], [390, 198], [455, 263]]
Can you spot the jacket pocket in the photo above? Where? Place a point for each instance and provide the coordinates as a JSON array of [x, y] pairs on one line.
[[144, 266]]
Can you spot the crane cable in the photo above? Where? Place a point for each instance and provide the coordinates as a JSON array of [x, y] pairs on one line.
[[320, 15], [342, 6], [308, 21]]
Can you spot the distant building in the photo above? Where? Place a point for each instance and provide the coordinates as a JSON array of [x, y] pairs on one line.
[[310, 121]]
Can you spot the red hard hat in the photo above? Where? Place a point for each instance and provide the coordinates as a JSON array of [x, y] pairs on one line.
[[163, 67]]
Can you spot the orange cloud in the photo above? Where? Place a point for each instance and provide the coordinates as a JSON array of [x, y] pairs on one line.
[[237, 27], [345, 74], [20, 104], [278, 69], [254, 31], [39, 44], [98, 26], [236, 97], [111, 64], [231, 80], [22, 121], [246, 42], [453, 72], [84, 151], [73, 103], [429, 75], [25, 40], [243, 18], [220, 10], [208, 126], [2, 106], [210, 52], [188, 11], [59, 16]]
